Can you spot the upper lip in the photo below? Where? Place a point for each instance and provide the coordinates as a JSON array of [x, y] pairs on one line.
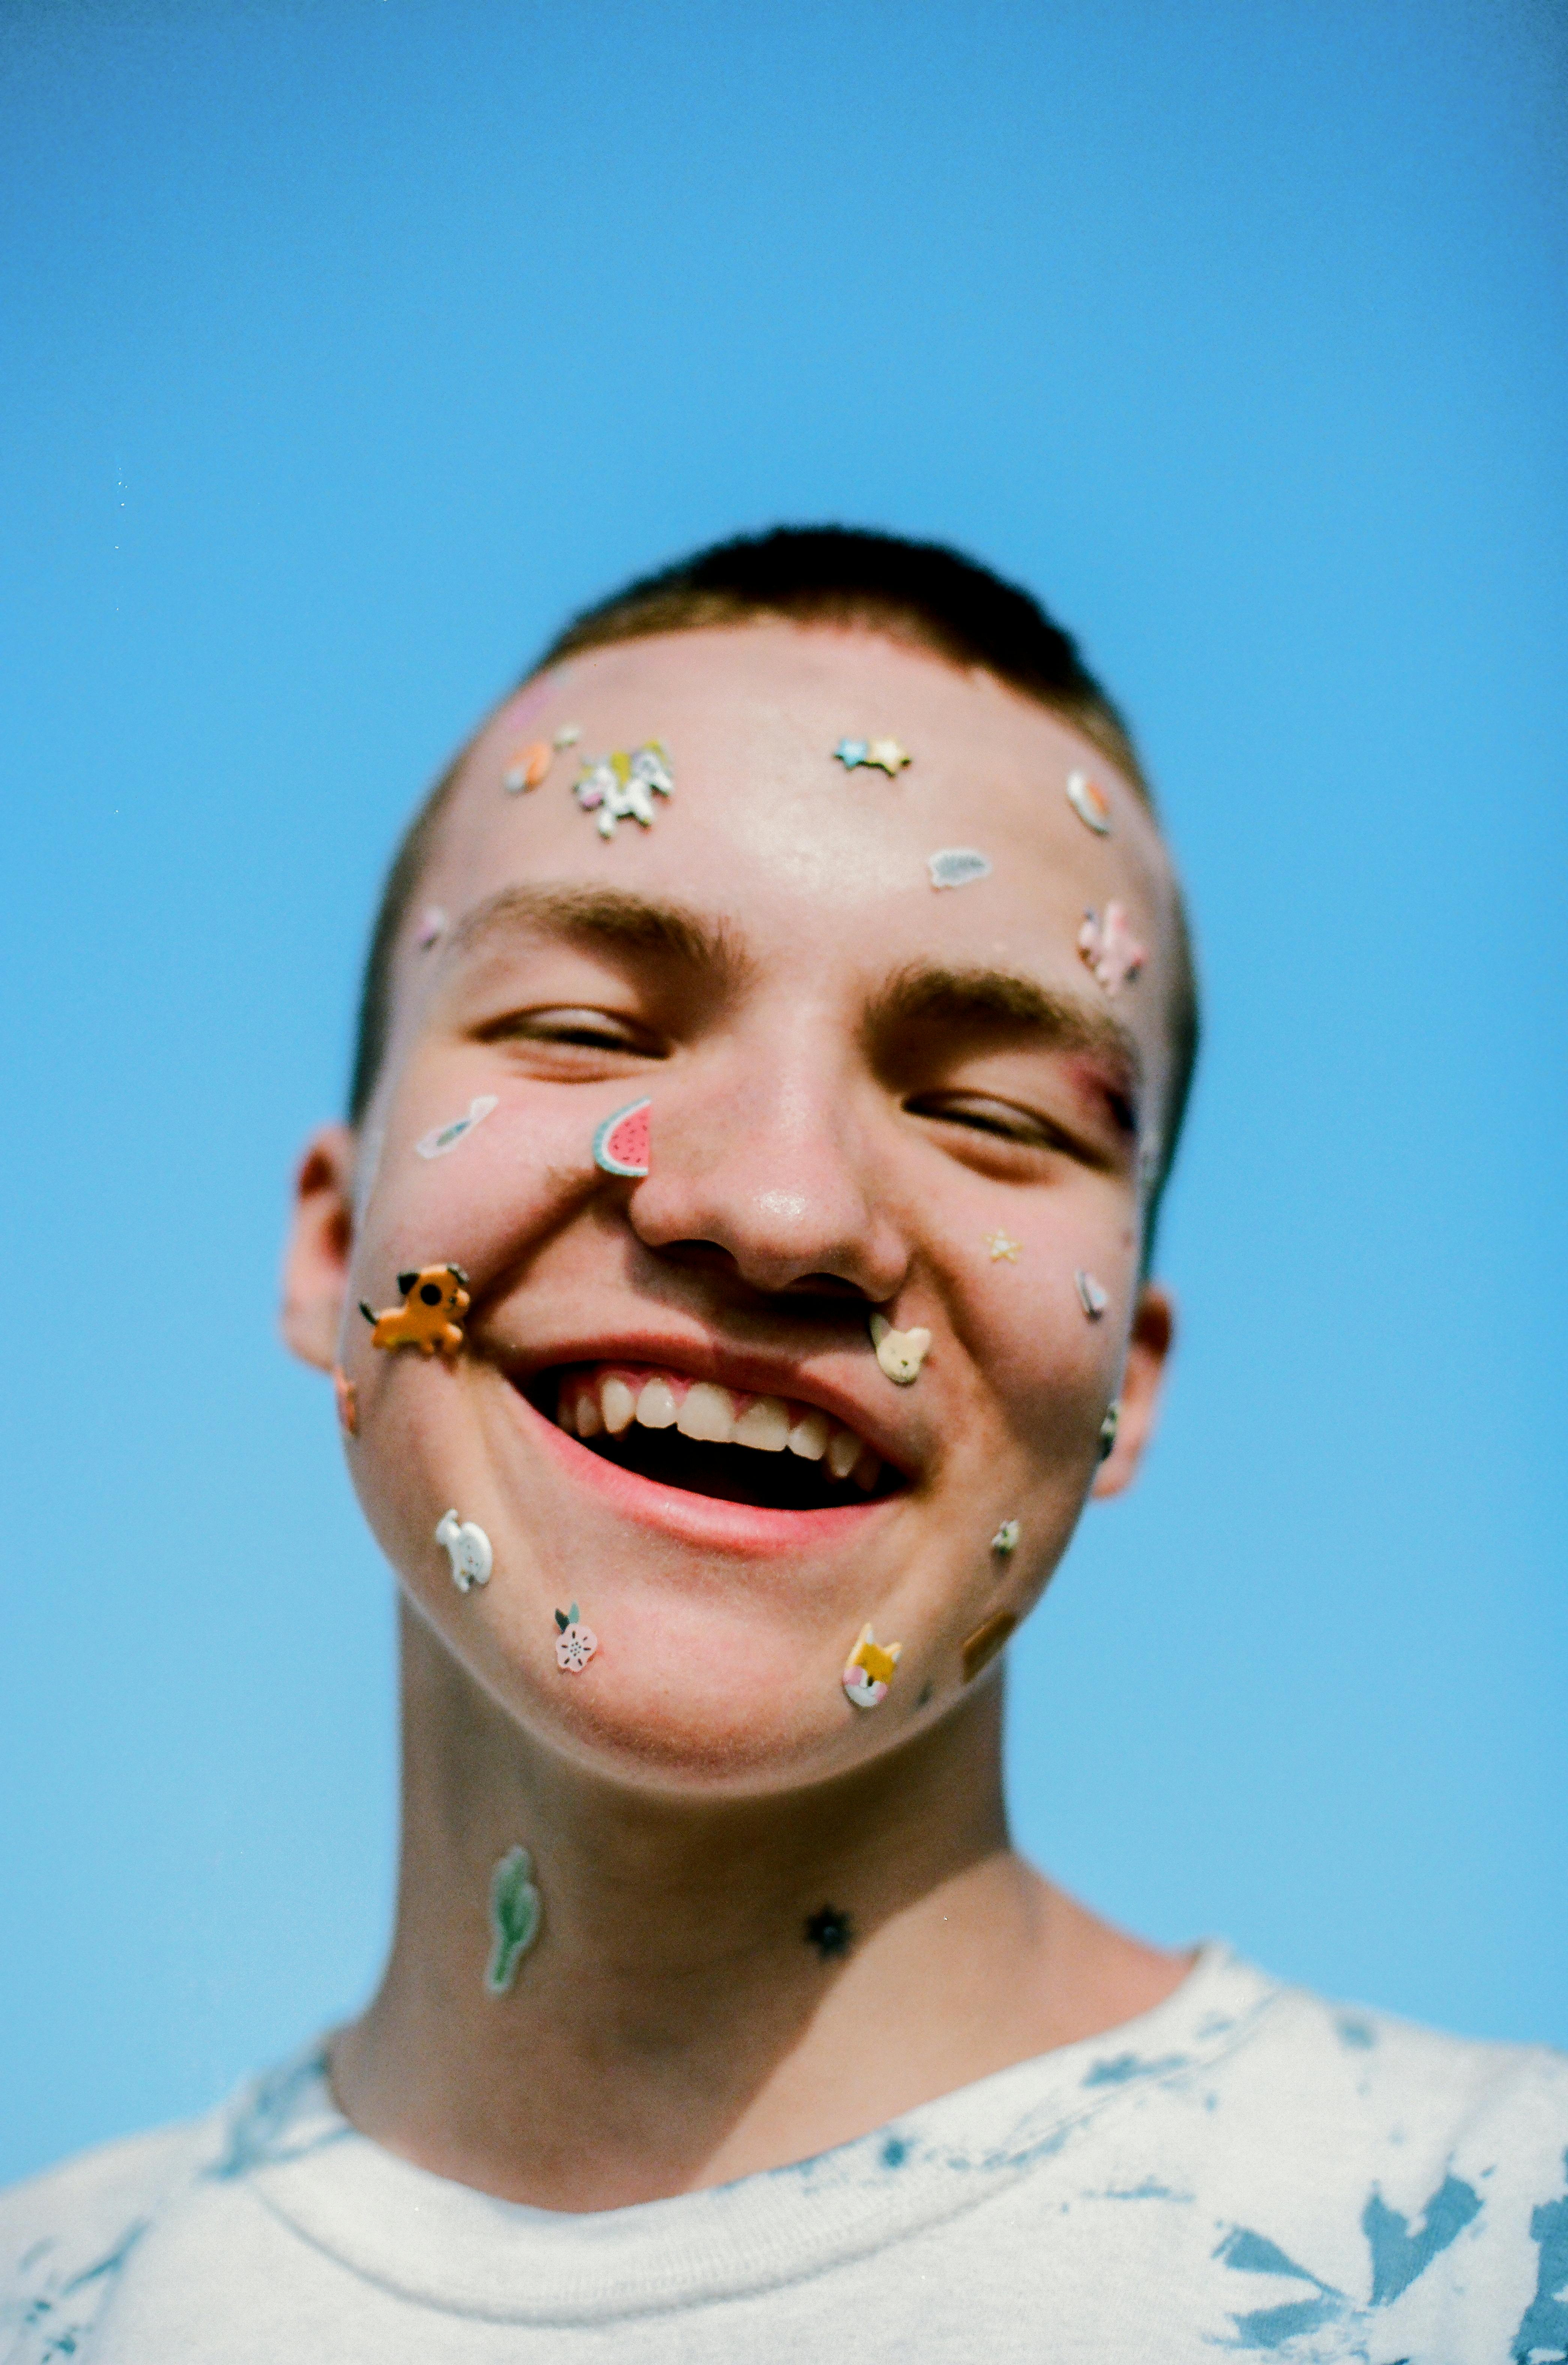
[[753, 1371]]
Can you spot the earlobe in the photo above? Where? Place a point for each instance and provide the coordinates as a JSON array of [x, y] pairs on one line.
[[320, 1243], [1149, 1352]]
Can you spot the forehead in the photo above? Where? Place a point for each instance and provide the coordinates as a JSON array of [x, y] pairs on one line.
[[815, 865]]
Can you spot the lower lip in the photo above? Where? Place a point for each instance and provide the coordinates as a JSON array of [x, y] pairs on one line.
[[697, 1518]]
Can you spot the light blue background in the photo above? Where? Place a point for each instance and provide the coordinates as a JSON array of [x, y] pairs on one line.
[[346, 348]]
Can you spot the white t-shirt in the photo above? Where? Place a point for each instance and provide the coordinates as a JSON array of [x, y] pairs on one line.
[[1247, 2168]]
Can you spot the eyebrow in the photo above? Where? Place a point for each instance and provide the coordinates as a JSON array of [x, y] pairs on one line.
[[980, 1001], [606, 915]]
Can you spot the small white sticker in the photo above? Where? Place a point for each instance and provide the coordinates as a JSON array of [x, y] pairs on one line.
[[467, 1547], [444, 1138], [956, 866]]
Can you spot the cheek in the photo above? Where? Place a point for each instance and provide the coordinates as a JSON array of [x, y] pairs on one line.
[[482, 1202]]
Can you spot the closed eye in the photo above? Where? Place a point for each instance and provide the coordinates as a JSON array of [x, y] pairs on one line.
[[588, 1030], [1003, 1121]]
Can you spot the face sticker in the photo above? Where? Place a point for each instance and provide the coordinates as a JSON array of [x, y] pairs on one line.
[[467, 1547], [900, 1353], [957, 865], [851, 752], [347, 1395], [432, 928], [623, 1144], [985, 1641], [1089, 803], [575, 1643], [444, 1137], [830, 1932], [567, 736], [622, 787], [1092, 1295], [515, 1915], [1109, 948], [433, 1300], [1001, 1248], [527, 767], [1005, 1539], [888, 755], [870, 1670], [1109, 1426]]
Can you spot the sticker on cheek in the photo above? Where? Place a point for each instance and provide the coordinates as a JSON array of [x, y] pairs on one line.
[[1091, 1294], [467, 1547], [1109, 1426], [623, 1143], [957, 865], [433, 1299], [444, 1137], [347, 1395], [567, 736], [575, 1642], [1109, 950], [432, 927], [515, 1915], [986, 1641], [870, 1670], [1089, 803], [1005, 1539], [1002, 1248], [900, 1353]]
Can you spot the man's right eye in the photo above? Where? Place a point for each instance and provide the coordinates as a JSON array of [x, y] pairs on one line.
[[589, 1030]]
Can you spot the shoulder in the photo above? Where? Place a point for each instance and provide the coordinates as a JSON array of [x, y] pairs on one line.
[[67, 2235]]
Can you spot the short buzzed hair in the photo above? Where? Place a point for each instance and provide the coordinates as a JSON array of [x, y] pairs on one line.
[[916, 592]]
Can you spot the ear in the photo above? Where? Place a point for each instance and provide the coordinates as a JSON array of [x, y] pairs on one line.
[[321, 1241], [1149, 1350]]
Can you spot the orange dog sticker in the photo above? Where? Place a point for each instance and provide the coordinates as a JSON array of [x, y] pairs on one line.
[[427, 1318]]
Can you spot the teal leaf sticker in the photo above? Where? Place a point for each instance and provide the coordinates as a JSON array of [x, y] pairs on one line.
[[514, 1918]]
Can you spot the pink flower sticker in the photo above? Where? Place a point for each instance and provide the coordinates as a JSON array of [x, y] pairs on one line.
[[575, 1643]]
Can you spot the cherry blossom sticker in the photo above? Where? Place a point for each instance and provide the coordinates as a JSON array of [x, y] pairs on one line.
[[575, 1643]]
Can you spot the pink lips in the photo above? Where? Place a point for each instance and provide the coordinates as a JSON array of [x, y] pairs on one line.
[[700, 1519]]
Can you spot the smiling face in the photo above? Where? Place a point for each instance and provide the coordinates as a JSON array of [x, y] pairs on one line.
[[867, 1095]]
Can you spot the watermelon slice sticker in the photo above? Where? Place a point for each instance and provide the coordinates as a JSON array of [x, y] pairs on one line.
[[620, 1145]]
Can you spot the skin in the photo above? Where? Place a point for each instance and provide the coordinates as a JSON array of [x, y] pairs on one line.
[[830, 1136]]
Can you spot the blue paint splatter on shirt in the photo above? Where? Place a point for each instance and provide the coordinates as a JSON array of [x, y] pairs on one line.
[[1398, 2256], [1543, 2327], [1123, 2066]]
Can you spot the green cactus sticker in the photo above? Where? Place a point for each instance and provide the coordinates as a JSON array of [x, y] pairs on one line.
[[514, 1917]]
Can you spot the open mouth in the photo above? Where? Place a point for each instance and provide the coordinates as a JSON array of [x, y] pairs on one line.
[[713, 1440]]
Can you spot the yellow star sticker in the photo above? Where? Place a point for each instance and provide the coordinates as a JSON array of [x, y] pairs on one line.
[[1001, 1246], [889, 755]]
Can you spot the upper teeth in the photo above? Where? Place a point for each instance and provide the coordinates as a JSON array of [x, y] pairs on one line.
[[612, 1400]]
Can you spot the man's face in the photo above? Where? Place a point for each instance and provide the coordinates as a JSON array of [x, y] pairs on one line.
[[867, 1095]]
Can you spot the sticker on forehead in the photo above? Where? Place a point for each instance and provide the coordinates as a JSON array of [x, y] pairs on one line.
[[526, 767], [1109, 950], [622, 787], [432, 928], [956, 866], [1089, 803], [444, 1137]]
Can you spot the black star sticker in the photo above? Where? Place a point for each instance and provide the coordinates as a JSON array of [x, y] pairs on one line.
[[830, 1932]]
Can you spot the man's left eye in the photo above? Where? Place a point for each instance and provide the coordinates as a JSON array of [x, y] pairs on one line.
[[592, 1030], [996, 1118]]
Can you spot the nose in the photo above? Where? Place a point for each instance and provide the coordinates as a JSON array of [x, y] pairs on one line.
[[772, 1161]]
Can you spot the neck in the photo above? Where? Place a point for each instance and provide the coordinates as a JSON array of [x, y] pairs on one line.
[[674, 2025]]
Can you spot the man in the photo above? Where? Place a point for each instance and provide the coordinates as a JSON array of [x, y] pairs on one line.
[[736, 1275]]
